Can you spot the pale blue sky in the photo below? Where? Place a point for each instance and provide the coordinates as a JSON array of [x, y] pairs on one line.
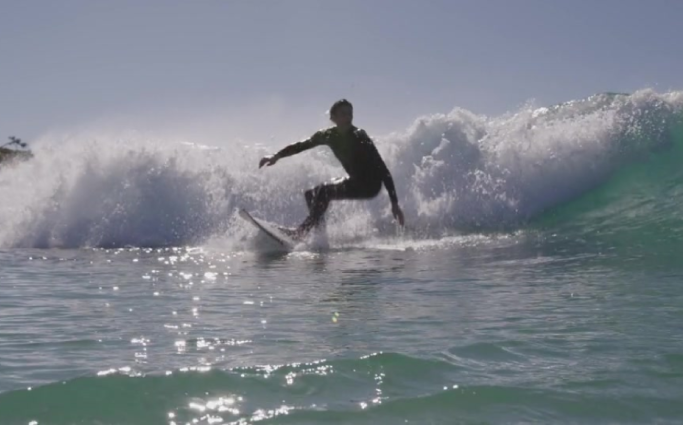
[[258, 68]]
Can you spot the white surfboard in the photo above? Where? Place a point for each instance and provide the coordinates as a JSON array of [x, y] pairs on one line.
[[270, 229]]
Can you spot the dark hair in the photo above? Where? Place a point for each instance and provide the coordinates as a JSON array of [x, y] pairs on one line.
[[338, 104]]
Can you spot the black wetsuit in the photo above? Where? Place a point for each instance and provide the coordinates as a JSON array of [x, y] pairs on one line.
[[358, 155]]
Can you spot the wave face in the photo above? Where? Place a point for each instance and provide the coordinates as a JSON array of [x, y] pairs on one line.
[[455, 172]]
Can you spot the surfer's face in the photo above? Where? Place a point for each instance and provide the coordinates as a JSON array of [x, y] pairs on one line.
[[342, 115]]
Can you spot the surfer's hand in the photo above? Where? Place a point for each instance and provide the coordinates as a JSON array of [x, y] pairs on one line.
[[267, 160], [398, 214]]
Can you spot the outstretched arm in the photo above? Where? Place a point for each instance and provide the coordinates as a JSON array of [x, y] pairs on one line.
[[293, 149]]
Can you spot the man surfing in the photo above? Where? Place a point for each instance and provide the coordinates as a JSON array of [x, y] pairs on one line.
[[357, 154]]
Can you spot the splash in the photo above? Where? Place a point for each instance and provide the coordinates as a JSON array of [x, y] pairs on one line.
[[456, 172]]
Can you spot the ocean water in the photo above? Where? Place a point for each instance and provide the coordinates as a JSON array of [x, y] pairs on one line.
[[538, 280]]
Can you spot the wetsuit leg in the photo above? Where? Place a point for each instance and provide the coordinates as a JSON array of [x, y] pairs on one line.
[[318, 198], [309, 195]]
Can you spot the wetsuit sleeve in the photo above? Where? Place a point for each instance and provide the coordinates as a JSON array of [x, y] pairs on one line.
[[384, 173], [315, 140], [389, 184]]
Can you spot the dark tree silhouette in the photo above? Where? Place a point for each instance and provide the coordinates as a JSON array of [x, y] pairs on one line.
[[14, 141], [11, 150]]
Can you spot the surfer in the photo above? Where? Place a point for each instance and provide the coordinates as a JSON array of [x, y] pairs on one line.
[[357, 154]]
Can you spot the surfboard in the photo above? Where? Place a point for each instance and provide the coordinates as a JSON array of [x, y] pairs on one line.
[[280, 234]]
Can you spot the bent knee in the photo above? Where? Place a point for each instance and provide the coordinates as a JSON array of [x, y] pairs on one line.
[[370, 189], [317, 193]]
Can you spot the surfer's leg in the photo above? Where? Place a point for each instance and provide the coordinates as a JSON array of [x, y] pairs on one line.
[[309, 195], [318, 194], [318, 199]]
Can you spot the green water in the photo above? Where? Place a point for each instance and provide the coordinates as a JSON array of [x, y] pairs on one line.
[[572, 315], [467, 330]]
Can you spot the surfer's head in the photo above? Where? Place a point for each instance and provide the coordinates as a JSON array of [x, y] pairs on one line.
[[341, 112]]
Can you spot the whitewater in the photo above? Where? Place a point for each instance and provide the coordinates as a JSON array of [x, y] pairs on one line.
[[538, 278], [455, 172]]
